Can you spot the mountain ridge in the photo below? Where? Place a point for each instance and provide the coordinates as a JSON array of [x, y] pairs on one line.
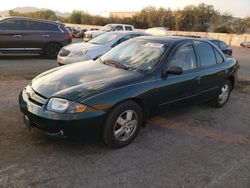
[[32, 9]]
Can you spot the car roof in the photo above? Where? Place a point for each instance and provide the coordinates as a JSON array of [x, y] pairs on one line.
[[128, 32], [32, 19], [120, 24], [165, 39], [171, 39]]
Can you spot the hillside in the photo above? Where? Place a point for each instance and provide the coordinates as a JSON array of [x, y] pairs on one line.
[[31, 9]]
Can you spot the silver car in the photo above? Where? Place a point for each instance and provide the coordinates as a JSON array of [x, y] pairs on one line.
[[88, 35], [94, 48]]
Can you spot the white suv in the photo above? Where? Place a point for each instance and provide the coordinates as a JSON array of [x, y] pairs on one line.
[[88, 35]]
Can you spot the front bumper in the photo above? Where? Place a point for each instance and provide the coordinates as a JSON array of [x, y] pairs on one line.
[[52, 122]]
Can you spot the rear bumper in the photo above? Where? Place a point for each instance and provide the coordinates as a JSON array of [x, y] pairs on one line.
[[54, 122]]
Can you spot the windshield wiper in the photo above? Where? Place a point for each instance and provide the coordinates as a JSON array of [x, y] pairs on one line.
[[115, 63]]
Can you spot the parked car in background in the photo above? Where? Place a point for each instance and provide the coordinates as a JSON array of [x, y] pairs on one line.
[[222, 46], [245, 44], [158, 31], [80, 33], [133, 81], [107, 28], [94, 48], [30, 35]]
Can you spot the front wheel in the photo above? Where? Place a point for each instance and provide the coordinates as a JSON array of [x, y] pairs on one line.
[[51, 50], [122, 125], [223, 95]]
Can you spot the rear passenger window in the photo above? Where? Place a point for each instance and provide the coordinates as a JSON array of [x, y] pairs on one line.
[[184, 57], [128, 28], [41, 26], [219, 58], [206, 53]]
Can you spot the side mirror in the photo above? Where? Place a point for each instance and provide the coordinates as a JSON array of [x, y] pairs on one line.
[[173, 70]]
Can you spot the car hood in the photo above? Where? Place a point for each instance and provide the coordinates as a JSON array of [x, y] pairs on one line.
[[81, 46], [82, 80]]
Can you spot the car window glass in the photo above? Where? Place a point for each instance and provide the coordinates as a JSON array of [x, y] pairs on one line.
[[124, 39], [137, 54], [223, 45], [13, 25], [216, 43], [128, 28], [184, 57], [118, 28], [105, 38], [219, 58], [41, 26], [206, 53]]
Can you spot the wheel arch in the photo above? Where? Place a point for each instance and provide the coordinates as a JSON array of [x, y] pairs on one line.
[[139, 102], [232, 80], [52, 42]]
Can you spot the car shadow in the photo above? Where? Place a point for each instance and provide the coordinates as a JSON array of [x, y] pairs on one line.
[[21, 56]]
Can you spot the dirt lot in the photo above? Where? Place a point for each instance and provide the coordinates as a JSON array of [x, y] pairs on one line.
[[197, 146]]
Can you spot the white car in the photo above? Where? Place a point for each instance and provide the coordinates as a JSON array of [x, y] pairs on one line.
[[94, 48], [88, 35]]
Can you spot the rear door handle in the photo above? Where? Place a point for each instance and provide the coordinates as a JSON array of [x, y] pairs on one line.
[[45, 36], [17, 36]]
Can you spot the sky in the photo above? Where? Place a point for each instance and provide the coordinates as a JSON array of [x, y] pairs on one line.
[[239, 8]]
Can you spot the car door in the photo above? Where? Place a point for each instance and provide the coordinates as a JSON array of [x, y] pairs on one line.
[[181, 88], [11, 34], [39, 34], [211, 73]]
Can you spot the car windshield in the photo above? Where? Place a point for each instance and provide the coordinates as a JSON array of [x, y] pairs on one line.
[[136, 54], [104, 38], [107, 27]]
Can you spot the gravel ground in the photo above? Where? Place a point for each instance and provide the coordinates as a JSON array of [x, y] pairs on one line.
[[196, 146]]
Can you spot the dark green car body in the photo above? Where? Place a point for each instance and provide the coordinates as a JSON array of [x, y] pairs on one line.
[[101, 87]]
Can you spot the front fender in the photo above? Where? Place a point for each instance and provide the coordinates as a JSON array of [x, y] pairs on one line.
[[144, 91]]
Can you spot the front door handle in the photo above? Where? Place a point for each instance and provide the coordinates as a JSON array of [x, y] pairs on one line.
[[17, 36], [46, 36]]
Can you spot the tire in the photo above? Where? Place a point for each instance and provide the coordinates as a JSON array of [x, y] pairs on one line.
[[222, 95], [122, 124], [51, 50]]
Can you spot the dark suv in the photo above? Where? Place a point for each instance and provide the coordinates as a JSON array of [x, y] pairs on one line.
[[19, 34]]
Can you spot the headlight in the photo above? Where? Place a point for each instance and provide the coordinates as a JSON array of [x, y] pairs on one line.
[[65, 106], [77, 53]]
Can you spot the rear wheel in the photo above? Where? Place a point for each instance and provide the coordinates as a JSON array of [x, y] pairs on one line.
[[122, 125], [223, 95], [51, 50]]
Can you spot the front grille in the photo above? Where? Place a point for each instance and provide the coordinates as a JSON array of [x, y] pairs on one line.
[[64, 52], [34, 97], [87, 35]]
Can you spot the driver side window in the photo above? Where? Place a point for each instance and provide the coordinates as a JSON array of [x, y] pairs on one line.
[[118, 28], [184, 57]]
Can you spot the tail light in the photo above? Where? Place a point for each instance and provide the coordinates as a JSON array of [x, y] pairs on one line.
[[68, 37]]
